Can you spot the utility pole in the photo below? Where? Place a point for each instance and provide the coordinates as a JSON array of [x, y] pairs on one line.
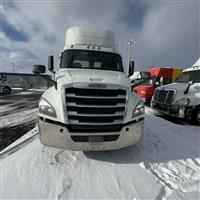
[[13, 65], [130, 41]]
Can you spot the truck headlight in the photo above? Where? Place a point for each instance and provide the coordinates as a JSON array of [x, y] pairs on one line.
[[182, 102], [139, 109], [143, 92], [46, 108]]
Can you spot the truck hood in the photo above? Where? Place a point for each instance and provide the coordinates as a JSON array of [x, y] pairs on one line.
[[181, 87], [176, 86], [66, 76]]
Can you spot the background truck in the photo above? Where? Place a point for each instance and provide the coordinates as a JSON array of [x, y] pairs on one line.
[[159, 76], [91, 105], [22, 80], [182, 98]]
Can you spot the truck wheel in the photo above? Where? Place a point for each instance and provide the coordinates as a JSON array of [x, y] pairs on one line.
[[6, 90], [196, 115]]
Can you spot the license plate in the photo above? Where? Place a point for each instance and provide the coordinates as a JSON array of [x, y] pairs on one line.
[[95, 139]]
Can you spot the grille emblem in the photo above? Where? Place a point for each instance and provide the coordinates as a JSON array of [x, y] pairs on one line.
[[96, 79], [97, 85]]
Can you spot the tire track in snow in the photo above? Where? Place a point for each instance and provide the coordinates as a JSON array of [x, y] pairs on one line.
[[175, 175], [63, 190]]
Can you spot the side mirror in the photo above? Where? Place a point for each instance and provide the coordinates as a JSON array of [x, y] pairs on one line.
[[161, 80], [50, 63], [39, 69], [157, 83], [131, 68]]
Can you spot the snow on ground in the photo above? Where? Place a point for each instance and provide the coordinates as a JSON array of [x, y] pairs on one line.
[[166, 165], [6, 108], [18, 118], [25, 93], [17, 144], [18, 115]]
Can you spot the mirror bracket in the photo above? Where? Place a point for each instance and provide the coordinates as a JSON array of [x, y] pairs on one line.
[[131, 68], [40, 69], [51, 64]]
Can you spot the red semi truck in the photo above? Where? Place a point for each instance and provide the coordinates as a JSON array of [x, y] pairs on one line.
[[159, 76]]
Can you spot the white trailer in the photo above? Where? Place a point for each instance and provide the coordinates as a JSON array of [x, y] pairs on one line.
[[91, 106], [182, 98], [21, 80]]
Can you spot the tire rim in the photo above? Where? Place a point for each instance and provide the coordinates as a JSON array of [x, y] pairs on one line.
[[6, 90]]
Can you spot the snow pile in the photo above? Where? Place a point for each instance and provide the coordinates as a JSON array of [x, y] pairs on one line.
[[25, 93], [166, 165], [18, 143]]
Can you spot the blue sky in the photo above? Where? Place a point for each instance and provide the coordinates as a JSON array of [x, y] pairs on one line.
[[166, 32]]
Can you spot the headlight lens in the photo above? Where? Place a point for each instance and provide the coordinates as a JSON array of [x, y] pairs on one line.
[[139, 109], [182, 102], [46, 108], [143, 92]]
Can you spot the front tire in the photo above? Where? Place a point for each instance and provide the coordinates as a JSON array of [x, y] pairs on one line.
[[196, 116], [6, 90]]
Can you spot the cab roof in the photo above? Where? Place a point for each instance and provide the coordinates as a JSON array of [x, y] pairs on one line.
[[195, 66]]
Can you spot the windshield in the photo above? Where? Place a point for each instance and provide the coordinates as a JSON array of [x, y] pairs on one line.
[[189, 76], [145, 75], [84, 59], [143, 82]]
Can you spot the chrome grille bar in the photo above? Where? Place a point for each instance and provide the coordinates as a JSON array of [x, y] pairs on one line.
[[76, 122], [95, 115], [96, 97], [95, 106]]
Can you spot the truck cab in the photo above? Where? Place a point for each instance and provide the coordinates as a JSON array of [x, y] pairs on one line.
[[182, 98], [159, 76], [91, 105]]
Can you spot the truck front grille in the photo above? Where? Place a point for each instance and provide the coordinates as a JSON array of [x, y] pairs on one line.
[[164, 96], [94, 109]]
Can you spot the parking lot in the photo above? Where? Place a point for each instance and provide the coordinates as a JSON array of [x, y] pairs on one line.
[[18, 115]]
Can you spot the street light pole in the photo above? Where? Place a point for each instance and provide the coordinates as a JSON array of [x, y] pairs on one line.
[[130, 42], [13, 64]]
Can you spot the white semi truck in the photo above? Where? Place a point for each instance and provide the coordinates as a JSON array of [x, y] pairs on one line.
[[91, 105], [182, 98]]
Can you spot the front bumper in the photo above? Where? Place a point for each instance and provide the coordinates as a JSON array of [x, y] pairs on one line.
[[57, 135], [173, 110]]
